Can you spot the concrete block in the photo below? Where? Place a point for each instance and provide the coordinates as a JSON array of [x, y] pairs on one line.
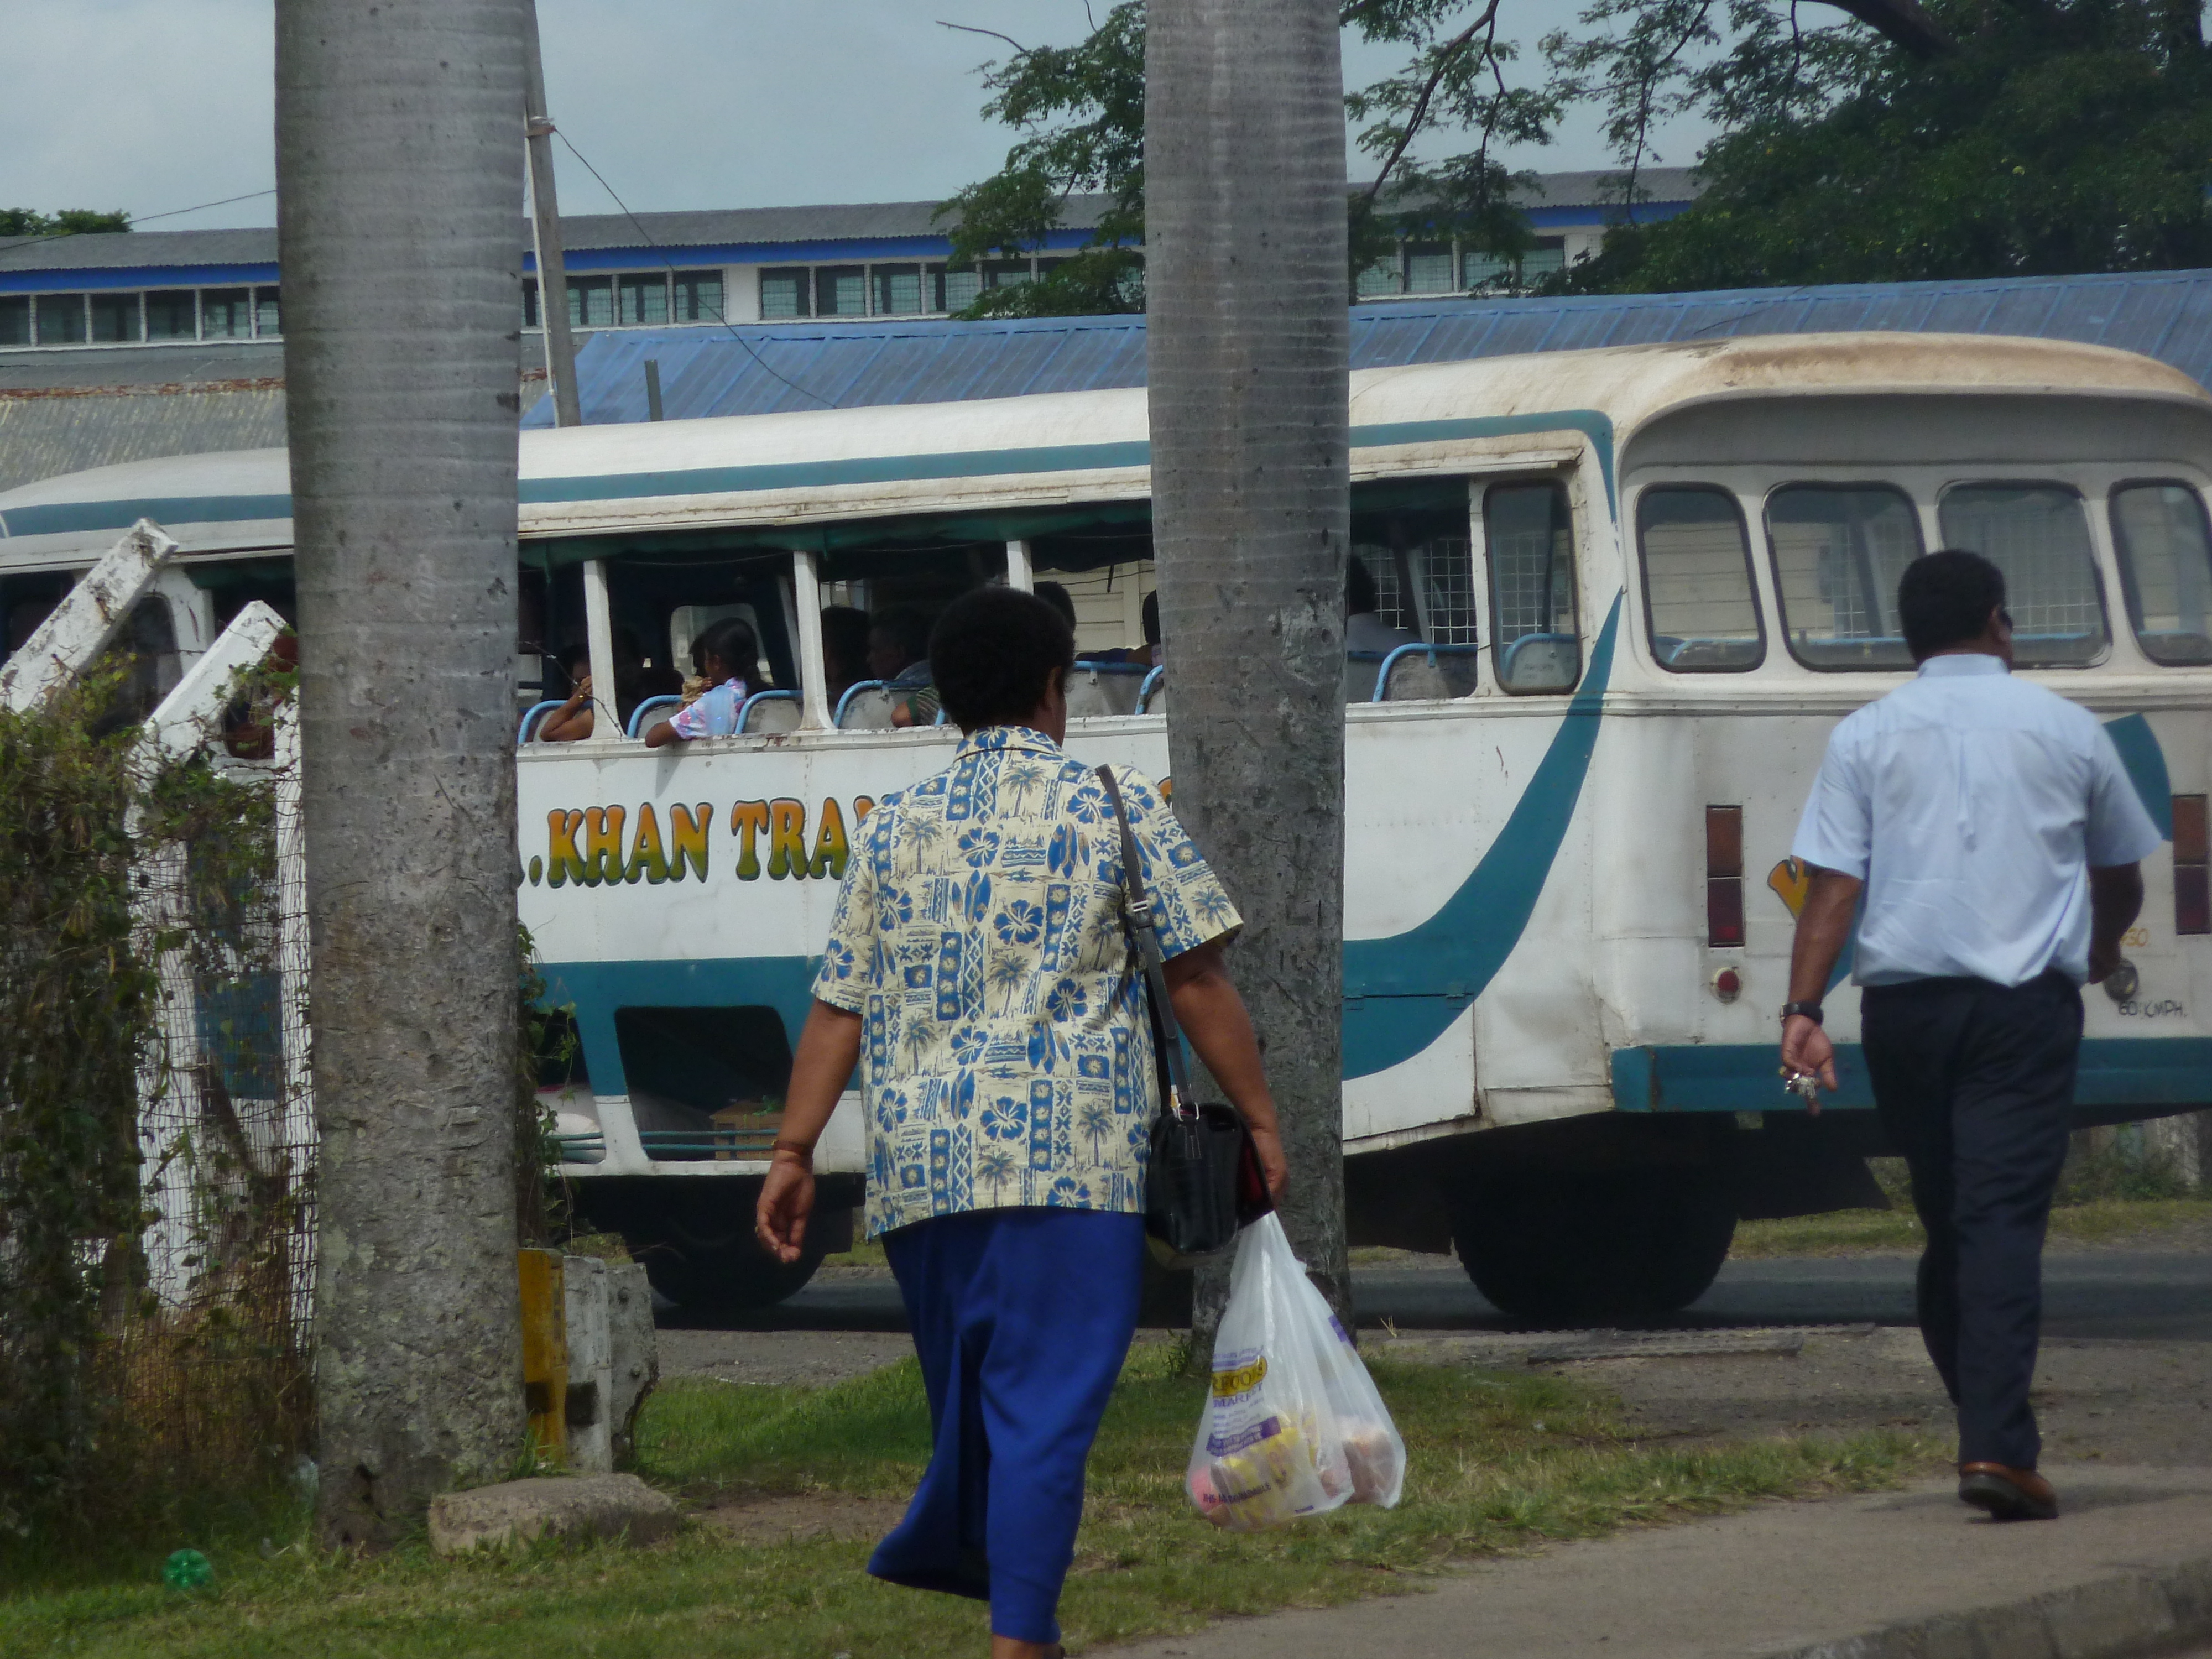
[[2189, 1593], [590, 1366], [564, 1506], [2108, 1616], [634, 1351]]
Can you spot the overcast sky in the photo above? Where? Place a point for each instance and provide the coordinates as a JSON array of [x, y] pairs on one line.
[[681, 103]]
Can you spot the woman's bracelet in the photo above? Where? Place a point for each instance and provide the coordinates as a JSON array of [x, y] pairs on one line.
[[803, 1153]]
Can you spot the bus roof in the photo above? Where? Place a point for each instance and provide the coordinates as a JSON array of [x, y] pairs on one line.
[[785, 472]]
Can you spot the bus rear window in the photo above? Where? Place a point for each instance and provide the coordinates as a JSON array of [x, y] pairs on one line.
[[2166, 568], [1698, 596], [2038, 536], [1529, 533], [1838, 552]]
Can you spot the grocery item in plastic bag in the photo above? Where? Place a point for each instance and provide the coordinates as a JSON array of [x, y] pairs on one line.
[[1294, 1425]]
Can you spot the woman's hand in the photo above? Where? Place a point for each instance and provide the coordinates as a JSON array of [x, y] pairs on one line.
[[1268, 1145], [786, 1200]]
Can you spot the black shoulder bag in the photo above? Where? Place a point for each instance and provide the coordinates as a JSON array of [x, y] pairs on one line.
[[1204, 1180]]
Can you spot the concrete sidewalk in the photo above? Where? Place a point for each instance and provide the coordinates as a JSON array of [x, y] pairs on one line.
[[2126, 1570]]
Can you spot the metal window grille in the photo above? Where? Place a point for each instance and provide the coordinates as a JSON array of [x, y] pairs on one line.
[[60, 318], [897, 290], [115, 318], [698, 296], [2038, 536], [785, 293], [269, 314], [172, 314], [15, 319], [840, 291], [225, 313], [591, 302], [643, 299], [1429, 271], [1384, 277]]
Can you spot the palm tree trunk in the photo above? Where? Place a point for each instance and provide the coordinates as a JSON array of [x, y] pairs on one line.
[[399, 226], [1248, 332]]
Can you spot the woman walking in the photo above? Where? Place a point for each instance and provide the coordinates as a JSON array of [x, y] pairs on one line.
[[979, 973]]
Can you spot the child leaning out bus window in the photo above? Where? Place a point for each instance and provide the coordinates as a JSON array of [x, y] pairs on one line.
[[727, 653]]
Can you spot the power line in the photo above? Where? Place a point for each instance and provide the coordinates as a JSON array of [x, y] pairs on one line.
[[719, 316]]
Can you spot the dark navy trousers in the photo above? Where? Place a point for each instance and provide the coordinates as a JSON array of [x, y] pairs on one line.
[[1021, 1319], [1975, 1085]]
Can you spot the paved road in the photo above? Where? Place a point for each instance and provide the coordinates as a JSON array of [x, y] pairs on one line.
[[2142, 1295]]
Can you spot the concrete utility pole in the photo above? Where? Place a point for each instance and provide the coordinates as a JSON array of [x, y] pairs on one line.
[[399, 179], [1248, 334], [545, 214]]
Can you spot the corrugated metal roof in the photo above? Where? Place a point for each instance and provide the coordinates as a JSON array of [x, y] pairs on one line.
[[45, 436], [759, 368], [117, 368], [708, 227]]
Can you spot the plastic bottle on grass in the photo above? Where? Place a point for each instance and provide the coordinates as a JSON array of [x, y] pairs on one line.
[[187, 1569], [1292, 1425]]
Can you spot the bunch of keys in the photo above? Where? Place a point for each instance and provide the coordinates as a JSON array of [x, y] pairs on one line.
[[1806, 1086]]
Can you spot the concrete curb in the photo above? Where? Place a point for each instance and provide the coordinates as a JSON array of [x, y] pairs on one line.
[[2118, 1618]]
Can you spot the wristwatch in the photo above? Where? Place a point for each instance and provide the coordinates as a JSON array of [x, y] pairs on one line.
[[1810, 1009]]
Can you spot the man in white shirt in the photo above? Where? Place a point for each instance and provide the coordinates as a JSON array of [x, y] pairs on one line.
[[1994, 836]]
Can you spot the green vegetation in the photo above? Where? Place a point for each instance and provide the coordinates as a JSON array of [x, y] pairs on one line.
[[1498, 1462], [2105, 1196], [69, 222], [1964, 138]]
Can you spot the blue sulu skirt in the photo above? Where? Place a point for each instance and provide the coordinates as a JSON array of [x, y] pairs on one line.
[[1021, 1319]]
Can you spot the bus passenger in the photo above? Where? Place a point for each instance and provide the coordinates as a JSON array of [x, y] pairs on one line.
[[898, 645], [844, 650], [728, 652], [1364, 631], [1028, 1071], [572, 721]]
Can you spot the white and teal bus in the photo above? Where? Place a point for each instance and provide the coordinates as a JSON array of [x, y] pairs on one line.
[[1647, 581]]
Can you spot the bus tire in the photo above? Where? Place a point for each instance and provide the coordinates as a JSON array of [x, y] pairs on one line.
[[722, 1268], [1553, 1249]]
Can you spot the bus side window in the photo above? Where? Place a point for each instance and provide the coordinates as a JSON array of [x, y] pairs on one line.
[[1699, 600], [2038, 536], [1529, 533], [2165, 570], [1839, 550]]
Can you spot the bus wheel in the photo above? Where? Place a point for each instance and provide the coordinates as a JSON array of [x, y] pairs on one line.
[[1560, 1249], [703, 1264]]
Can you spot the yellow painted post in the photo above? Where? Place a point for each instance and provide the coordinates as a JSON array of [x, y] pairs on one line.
[[544, 1351]]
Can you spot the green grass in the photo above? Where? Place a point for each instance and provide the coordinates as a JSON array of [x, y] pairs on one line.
[[1496, 1463], [1852, 1232]]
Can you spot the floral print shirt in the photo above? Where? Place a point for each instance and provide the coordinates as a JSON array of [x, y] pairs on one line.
[[1007, 1055]]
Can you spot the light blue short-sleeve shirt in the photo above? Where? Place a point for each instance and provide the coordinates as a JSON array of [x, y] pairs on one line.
[[1972, 805]]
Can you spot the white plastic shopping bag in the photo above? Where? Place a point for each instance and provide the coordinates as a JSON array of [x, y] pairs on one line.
[[1294, 1425]]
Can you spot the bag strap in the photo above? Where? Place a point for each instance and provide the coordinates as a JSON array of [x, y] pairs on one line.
[[1144, 933]]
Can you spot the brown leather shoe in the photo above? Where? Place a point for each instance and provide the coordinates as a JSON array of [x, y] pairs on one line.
[[2008, 1494]]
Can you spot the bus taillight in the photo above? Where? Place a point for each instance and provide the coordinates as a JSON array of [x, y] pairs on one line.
[[2192, 902], [1724, 875]]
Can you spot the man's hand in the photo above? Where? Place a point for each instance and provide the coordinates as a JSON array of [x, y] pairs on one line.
[[1268, 1145], [786, 1200], [1806, 1047], [2116, 896]]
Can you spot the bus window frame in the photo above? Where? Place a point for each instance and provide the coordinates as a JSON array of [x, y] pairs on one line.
[[1913, 506], [2043, 481], [1485, 588], [1750, 572], [2123, 567]]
